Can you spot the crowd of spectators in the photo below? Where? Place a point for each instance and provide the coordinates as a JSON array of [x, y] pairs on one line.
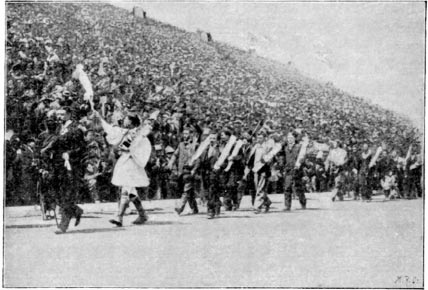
[[144, 66]]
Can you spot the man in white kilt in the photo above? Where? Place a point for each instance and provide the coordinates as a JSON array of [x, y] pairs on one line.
[[129, 172]]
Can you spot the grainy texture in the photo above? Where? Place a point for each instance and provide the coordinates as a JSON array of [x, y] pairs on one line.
[[341, 244]]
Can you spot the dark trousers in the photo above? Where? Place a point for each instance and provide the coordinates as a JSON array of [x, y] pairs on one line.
[[414, 181], [67, 185], [290, 180], [246, 186], [214, 202], [188, 195], [364, 186], [387, 192], [265, 201], [231, 197], [205, 186]]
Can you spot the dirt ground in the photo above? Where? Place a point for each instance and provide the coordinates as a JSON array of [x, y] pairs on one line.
[[341, 244]]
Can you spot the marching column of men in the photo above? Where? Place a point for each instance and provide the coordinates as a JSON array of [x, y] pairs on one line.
[[228, 165]]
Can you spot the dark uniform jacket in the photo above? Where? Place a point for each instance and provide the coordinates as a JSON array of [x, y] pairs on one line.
[[291, 158]]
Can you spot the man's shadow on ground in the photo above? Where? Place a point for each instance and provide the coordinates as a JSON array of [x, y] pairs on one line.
[[91, 231], [29, 226]]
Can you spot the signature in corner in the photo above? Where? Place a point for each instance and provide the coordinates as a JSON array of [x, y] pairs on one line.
[[407, 280]]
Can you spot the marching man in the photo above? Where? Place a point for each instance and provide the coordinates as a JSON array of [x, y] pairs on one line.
[[261, 170], [66, 151], [181, 158], [293, 155], [129, 173]]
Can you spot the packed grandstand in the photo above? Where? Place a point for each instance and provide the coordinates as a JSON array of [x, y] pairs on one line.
[[172, 76]]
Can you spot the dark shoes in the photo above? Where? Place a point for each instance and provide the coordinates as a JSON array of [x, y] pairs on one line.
[[267, 204], [115, 222], [78, 215], [217, 211], [62, 229], [211, 214], [140, 220], [63, 225]]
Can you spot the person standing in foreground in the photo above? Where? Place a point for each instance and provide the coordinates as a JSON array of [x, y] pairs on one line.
[[129, 172], [66, 152]]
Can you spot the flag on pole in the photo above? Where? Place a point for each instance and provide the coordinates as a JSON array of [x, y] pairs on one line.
[[83, 78]]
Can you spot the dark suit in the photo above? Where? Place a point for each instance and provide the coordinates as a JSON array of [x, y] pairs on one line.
[[364, 177], [210, 178], [246, 186], [68, 183], [293, 177], [233, 177]]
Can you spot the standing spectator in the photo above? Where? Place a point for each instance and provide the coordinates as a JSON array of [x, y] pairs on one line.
[[363, 174], [414, 171], [28, 166]]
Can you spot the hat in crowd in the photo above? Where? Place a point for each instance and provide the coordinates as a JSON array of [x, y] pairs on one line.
[[158, 147], [57, 95], [246, 135], [169, 150], [133, 110], [276, 137], [154, 115], [262, 132], [93, 144], [166, 115], [46, 98], [66, 93], [190, 128], [60, 111]]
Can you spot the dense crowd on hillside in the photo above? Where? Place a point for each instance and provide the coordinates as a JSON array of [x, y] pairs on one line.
[[179, 83]]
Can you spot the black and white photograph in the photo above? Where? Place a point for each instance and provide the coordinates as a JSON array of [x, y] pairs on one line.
[[213, 144]]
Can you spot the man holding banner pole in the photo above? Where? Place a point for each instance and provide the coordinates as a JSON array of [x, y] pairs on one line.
[[182, 160], [204, 159], [261, 170]]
